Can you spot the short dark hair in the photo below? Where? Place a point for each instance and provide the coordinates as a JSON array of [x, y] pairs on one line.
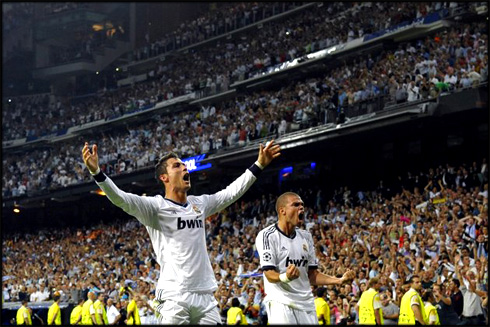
[[281, 200], [456, 281], [427, 295], [320, 292], [373, 281], [161, 166], [410, 280], [235, 302]]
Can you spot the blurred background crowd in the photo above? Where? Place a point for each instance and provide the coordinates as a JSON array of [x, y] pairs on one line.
[[428, 223]]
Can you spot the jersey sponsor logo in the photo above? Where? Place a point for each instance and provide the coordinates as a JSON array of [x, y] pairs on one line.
[[297, 262], [283, 249], [267, 256], [191, 223]]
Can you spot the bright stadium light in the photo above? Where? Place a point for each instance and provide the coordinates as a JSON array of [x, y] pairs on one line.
[[98, 192]]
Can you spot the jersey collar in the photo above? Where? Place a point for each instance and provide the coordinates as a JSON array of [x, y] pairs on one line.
[[292, 235], [183, 205]]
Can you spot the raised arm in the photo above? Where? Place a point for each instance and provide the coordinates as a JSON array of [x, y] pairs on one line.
[[91, 158], [142, 207], [268, 153], [235, 190]]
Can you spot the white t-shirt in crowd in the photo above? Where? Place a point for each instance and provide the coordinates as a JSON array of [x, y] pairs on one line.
[[112, 313]]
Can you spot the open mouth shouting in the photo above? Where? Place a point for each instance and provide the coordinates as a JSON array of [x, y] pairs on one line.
[[187, 177], [301, 216]]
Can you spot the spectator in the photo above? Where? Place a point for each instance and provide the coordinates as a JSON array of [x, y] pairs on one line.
[[390, 310], [472, 310], [445, 309]]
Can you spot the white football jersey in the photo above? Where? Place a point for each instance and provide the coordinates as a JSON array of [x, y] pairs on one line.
[[278, 251], [177, 232]]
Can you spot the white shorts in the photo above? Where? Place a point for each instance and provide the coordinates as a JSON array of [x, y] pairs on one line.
[[283, 314], [189, 309]]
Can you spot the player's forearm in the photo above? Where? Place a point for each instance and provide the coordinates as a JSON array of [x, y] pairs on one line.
[[317, 278], [139, 206], [236, 189], [272, 276]]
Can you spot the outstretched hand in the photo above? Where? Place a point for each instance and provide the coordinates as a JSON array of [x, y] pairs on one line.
[[91, 159], [268, 152], [348, 275]]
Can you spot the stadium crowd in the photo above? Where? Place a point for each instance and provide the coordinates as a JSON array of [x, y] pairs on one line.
[[15, 15], [244, 56], [225, 18], [433, 224], [409, 73]]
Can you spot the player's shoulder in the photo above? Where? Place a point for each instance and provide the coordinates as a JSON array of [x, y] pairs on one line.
[[197, 199], [269, 229], [303, 232]]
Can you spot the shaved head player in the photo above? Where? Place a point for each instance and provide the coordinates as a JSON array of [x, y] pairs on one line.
[[287, 257]]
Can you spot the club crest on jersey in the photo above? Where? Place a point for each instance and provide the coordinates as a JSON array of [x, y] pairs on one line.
[[196, 209], [305, 247]]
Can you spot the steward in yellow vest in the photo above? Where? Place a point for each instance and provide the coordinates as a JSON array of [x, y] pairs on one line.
[[23, 316], [370, 304], [54, 312], [133, 312], [411, 306], [235, 314], [431, 316], [100, 313], [321, 306], [88, 311], [76, 313]]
